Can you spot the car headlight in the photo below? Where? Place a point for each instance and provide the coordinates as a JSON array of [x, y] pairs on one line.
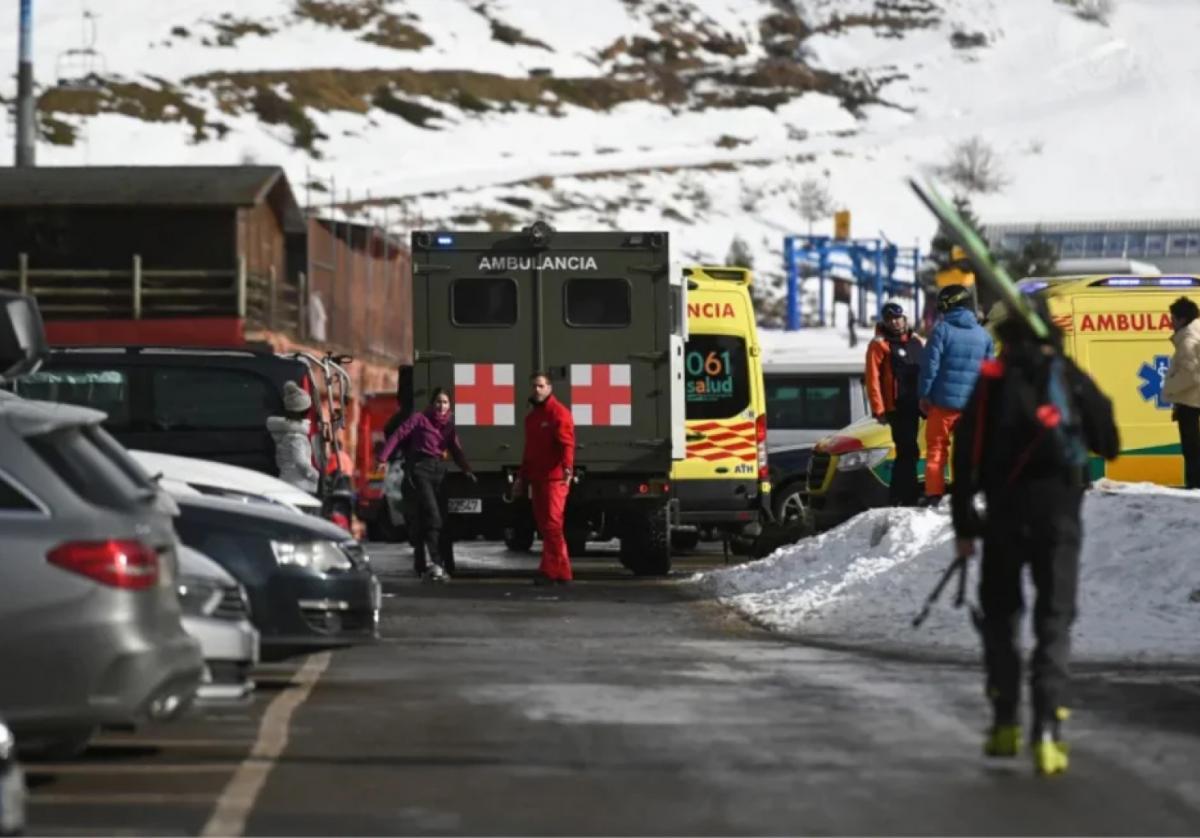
[[865, 458], [320, 556], [198, 596], [8, 745]]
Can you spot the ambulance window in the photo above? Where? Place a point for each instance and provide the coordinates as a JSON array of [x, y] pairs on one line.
[[717, 377], [483, 301], [598, 303]]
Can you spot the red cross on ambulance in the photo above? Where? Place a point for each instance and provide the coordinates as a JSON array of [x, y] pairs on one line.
[[484, 394], [601, 394]]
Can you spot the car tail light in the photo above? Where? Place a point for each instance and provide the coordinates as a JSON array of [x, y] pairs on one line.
[[130, 565], [760, 437]]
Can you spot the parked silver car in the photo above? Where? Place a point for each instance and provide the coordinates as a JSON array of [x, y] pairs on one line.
[[216, 613], [88, 606]]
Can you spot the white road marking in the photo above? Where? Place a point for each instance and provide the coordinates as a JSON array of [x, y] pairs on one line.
[[237, 800]]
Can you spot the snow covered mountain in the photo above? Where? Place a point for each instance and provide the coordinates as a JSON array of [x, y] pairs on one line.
[[698, 116]]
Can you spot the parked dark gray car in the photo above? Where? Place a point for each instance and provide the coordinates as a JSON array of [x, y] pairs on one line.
[[310, 584]]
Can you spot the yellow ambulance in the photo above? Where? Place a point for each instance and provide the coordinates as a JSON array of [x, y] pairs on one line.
[[1117, 328], [722, 485]]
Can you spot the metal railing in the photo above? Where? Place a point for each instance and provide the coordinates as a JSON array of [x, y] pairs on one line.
[[141, 293]]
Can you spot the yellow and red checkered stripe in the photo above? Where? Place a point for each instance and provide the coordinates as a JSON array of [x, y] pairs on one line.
[[723, 441]]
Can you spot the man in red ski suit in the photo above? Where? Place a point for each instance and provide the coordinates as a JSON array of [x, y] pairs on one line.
[[546, 468]]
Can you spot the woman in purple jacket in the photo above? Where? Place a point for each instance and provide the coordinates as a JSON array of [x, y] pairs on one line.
[[427, 439]]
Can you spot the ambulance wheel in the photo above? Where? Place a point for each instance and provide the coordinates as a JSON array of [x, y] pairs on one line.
[[790, 505], [685, 539], [518, 538], [646, 545]]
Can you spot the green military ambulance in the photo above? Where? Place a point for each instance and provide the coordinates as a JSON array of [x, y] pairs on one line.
[[603, 314]]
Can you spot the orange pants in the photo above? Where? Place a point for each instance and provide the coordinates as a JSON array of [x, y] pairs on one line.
[[939, 427], [549, 509]]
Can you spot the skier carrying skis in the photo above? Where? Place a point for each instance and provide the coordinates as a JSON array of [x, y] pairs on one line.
[[1023, 440]]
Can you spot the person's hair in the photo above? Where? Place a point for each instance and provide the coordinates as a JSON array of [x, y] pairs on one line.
[[438, 391], [538, 375], [1184, 309]]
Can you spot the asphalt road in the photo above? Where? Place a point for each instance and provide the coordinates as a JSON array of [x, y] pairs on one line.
[[622, 706]]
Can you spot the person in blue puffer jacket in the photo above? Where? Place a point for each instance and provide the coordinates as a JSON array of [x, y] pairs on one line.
[[957, 347]]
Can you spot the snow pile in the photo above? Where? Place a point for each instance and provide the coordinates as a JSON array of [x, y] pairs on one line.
[[863, 582]]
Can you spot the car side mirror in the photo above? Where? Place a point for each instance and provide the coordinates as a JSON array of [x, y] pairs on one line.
[[23, 345]]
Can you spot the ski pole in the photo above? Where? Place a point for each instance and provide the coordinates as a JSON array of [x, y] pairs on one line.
[[958, 565]]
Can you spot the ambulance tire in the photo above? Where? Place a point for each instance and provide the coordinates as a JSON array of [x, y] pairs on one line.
[[519, 538], [646, 545], [685, 539]]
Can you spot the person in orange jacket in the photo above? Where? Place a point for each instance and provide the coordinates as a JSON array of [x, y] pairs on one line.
[[546, 467], [892, 379]]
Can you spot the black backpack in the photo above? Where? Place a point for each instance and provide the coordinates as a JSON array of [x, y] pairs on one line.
[[1049, 416]]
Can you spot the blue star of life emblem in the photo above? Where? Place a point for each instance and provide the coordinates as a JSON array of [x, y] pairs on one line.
[[1153, 376]]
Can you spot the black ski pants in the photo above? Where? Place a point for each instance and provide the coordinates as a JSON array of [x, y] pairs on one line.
[[1188, 419], [426, 504], [1035, 523], [905, 421]]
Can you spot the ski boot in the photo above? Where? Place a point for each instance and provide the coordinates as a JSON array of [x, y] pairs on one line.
[[1004, 736], [1049, 749], [1003, 741]]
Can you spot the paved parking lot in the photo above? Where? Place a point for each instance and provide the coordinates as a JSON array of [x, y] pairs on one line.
[[619, 706]]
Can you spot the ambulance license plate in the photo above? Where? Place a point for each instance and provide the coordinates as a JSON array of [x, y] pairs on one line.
[[465, 506]]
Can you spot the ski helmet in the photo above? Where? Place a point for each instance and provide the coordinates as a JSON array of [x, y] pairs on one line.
[[891, 310], [952, 296]]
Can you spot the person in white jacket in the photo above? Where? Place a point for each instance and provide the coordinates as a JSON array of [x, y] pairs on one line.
[[1181, 387], [293, 450]]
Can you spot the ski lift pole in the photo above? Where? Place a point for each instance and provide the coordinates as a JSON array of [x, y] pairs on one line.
[[26, 150]]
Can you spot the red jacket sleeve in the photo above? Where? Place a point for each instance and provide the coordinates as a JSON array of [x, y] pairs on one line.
[[565, 434]]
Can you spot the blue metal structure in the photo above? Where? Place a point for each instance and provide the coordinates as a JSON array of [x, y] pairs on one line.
[[875, 266]]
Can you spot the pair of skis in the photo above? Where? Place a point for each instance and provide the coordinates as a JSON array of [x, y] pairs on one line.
[[987, 269]]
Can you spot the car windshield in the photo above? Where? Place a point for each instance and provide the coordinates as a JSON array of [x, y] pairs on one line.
[[718, 377]]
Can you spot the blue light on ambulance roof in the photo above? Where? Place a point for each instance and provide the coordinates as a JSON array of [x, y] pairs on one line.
[[1177, 281], [1033, 287], [444, 240]]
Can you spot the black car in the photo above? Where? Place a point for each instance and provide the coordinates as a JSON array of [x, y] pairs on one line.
[[310, 586], [211, 404]]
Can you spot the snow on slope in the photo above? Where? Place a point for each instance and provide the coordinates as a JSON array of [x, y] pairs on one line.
[[1088, 119], [863, 582]]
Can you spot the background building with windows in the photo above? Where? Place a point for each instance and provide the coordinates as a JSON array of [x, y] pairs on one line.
[[1173, 245]]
